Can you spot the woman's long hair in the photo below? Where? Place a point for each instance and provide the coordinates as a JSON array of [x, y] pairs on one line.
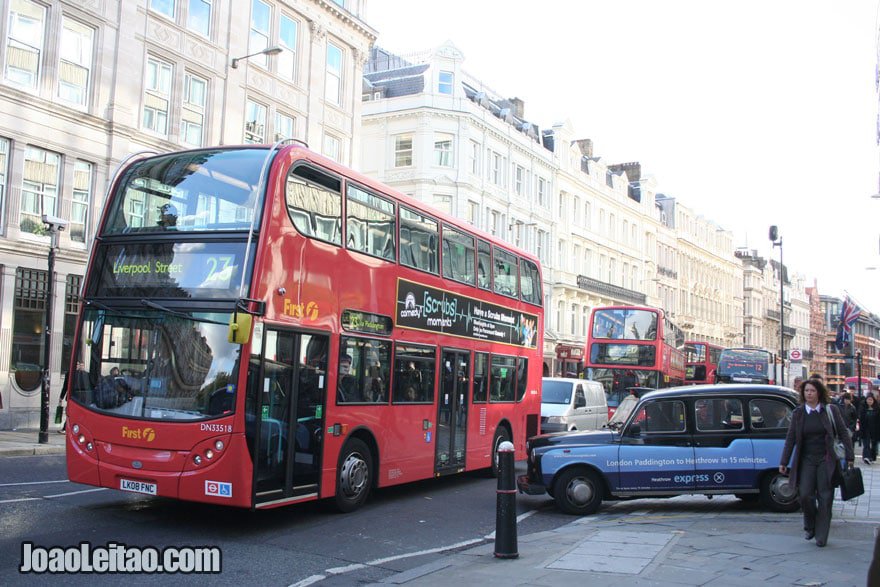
[[820, 387]]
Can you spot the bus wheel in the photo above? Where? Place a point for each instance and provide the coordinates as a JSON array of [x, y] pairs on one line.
[[778, 494], [354, 476], [578, 492], [501, 435]]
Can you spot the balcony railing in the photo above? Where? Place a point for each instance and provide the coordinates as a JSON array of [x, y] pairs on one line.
[[773, 315], [667, 272]]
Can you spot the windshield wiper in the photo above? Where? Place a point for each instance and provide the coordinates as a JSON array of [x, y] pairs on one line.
[[177, 314]]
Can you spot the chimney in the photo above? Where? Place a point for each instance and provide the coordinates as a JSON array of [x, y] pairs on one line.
[[518, 106], [633, 170], [586, 147]]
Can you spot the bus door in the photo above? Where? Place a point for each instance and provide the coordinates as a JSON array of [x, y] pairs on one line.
[[289, 415], [455, 376]]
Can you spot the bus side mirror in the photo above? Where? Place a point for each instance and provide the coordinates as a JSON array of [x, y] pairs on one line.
[[240, 328]]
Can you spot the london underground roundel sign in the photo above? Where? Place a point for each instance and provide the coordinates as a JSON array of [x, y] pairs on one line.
[[795, 355]]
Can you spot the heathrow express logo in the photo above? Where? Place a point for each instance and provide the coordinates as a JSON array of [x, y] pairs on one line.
[[147, 434]]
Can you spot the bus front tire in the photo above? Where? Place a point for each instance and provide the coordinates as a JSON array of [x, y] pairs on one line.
[[354, 476], [578, 491]]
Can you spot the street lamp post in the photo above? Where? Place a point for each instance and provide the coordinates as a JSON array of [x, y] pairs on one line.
[[55, 225], [776, 239], [274, 50]]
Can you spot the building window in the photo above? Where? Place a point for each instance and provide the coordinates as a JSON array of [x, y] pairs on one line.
[[540, 246], [261, 16], [285, 126], [198, 17], [4, 170], [28, 321], [444, 85], [163, 7], [331, 147], [75, 64], [192, 116], [519, 180], [71, 308], [403, 150], [497, 169], [541, 188], [24, 43], [39, 188], [473, 212], [443, 150], [157, 94], [82, 197], [287, 36], [255, 123], [475, 158], [443, 203], [333, 81]]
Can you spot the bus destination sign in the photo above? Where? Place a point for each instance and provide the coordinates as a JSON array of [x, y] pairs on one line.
[[421, 307], [366, 322]]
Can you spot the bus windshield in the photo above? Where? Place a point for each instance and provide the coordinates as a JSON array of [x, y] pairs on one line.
[[744, 365], [167, 365], [207, 190], [625, 324]]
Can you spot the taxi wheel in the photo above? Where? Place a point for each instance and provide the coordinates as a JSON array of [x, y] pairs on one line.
[[778, 494], [578, 491], [354, 477]]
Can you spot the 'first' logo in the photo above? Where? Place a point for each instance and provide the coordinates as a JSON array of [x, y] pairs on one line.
[[146, 434]]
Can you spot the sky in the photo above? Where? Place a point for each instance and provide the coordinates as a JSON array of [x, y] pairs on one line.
[[750, 113]]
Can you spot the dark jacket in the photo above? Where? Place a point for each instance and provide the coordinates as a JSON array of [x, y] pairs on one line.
[[850, 415], [869, 424], [794, 441]]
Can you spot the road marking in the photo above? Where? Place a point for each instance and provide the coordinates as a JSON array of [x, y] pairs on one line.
[[33, 483], [519, 518], [20, 499], [52, 496]]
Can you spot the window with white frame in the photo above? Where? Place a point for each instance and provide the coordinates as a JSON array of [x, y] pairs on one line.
[[519, 179], [612, 270], [575, 258], [497, 169], [163, 7], [574, 313], [39, 188], [255, 122], [288, 33], [261, 18], [475, 155], [588, 261], [403, 150], [576, 207], [443, 203], [4, 170], [25, 43], [443, 149], [333, 79], [560, 310], [473, 213], [82, 197], [75, 62], [157, 95], [445, 82], [587, 215], [285, 126], [541, 189], [331, 147], [540, 246], [198, 17], [563, 199], [192, 113]]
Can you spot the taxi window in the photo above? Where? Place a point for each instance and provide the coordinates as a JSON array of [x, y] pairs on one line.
[[718, 414], [769, 414], [661, 417]]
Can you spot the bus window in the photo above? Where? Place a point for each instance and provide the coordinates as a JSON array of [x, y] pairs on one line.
[[369, 224], [418, 241], [370, 368], [458, 256], [413, 374], [530, 282], [481, 377], [484, 265], [503, 381], [505, 274], [315, 204]]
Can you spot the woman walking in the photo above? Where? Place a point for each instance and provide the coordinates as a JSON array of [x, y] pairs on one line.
[[814, 465], [869, 425]]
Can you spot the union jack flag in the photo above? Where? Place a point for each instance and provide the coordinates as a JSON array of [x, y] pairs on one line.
[[849, 313]]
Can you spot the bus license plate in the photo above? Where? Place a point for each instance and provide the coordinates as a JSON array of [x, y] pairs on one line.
[[137, 486]]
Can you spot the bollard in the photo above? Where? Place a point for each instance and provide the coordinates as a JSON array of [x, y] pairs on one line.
[[505, 508]]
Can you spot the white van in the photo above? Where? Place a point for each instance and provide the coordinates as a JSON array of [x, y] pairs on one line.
[[572, 404]]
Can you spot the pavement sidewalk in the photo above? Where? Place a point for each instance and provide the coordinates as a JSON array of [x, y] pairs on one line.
[[18, 443]]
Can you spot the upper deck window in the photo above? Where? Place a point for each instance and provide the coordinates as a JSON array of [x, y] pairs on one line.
[[370, 224], [418, 241], [505, 274], [194, 191], [625, 324], [314, 202], [458, 256]]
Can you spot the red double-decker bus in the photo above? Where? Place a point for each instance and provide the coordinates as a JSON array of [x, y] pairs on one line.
[[631, 347], [262, 326], [701, 361]]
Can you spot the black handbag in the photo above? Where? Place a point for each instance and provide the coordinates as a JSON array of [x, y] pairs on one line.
[[59, 413], [851, 484]]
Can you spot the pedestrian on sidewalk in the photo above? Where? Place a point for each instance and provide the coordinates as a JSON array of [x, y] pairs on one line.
[[814, 466], [850, 415], [869, 426]]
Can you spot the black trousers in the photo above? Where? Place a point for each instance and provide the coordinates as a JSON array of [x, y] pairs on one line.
[[869, 447], [817, 496]]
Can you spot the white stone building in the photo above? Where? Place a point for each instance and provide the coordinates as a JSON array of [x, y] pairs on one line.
[[85, 84]]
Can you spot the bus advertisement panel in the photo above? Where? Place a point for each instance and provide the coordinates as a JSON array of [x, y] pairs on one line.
[[701, 361], [746, 366], [261, 326], [631, 347]]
